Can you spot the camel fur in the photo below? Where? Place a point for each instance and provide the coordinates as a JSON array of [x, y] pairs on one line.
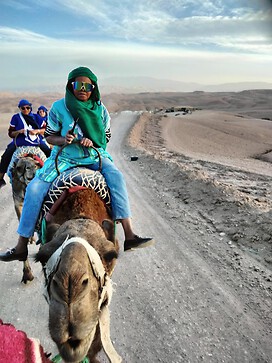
[[22, 173], [73, 289]]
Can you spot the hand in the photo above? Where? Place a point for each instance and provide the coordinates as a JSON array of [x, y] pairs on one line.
[[86, 142], [69, 138]]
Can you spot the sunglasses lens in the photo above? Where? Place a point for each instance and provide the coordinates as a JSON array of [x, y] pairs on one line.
[[89, 87], [25, 108], [82, 86]]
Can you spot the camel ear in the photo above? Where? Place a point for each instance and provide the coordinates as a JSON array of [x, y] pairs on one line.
[[19, 166], [109, 230], [47, 250], [44, 253], [110, 255], [37, 163]]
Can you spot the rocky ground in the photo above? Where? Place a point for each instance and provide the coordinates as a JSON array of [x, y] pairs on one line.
[[234, 201], [220, 164]]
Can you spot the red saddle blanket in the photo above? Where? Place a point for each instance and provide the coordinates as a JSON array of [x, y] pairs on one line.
[[16, 347]]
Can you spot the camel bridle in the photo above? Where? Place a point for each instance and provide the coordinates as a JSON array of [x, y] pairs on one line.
[[105, 290]]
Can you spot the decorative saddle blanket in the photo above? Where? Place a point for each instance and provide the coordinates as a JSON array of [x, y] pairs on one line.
[[76, 177], [16, 346], [23, 151]]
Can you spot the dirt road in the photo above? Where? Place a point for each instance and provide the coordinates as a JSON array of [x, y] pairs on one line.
[[193, 297]]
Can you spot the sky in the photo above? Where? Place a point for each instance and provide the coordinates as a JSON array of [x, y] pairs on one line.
[[200, 41]]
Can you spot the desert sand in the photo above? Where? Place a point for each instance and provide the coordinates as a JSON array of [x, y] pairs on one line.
[[202, 186], [218, 163]]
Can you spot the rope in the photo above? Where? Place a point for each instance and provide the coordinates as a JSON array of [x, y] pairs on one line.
[[58, 359], [15, 143]]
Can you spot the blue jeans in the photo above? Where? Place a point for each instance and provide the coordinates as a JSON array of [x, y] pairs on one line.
[[37, 190]]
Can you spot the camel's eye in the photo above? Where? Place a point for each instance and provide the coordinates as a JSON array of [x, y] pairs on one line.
[[85, 282], [55, 285]]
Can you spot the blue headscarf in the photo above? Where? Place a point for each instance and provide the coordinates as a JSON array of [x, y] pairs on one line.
[[42, 108]]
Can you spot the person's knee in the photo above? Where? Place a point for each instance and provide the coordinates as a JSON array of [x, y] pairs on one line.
[[109, 167], [37, 187], [33, 186]]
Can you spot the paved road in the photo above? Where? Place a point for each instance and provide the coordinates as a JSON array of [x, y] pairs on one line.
[[169, 304]]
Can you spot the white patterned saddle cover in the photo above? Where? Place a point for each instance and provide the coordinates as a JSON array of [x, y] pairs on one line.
[[70, 178], [21, 151]]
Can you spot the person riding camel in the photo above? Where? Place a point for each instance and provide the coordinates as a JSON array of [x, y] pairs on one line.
[[26, 129], [82, 103]]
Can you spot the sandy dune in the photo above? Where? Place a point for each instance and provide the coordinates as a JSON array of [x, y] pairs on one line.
[[215, 136], [215, 152], [220, 137]]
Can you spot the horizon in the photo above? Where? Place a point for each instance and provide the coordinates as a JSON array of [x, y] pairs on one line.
[[152, 86], [204, 42]]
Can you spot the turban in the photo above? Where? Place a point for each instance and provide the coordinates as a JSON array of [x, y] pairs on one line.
[[85, 72]]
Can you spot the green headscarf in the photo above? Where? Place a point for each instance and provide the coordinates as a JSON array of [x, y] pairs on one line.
[[89, 113]]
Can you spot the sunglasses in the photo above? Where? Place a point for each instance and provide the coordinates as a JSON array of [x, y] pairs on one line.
[[25, 108], [82, 86]]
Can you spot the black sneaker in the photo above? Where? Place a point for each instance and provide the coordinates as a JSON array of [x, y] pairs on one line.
[[12, 255], [2, 183], [137, 242]]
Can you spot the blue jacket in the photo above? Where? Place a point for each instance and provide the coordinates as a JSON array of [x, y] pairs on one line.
[[18, 122]]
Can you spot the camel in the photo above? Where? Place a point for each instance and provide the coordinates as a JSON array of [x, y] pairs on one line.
[[23, 166], [22, 173], [78, 260]]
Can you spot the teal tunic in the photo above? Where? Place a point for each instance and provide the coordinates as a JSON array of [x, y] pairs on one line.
[[60, 121]]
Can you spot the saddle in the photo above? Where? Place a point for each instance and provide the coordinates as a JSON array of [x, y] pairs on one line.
[[67, 183]]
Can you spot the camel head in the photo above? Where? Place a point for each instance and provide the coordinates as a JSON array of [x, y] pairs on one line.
[[77, 264], [22, 173], [25, 169]]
